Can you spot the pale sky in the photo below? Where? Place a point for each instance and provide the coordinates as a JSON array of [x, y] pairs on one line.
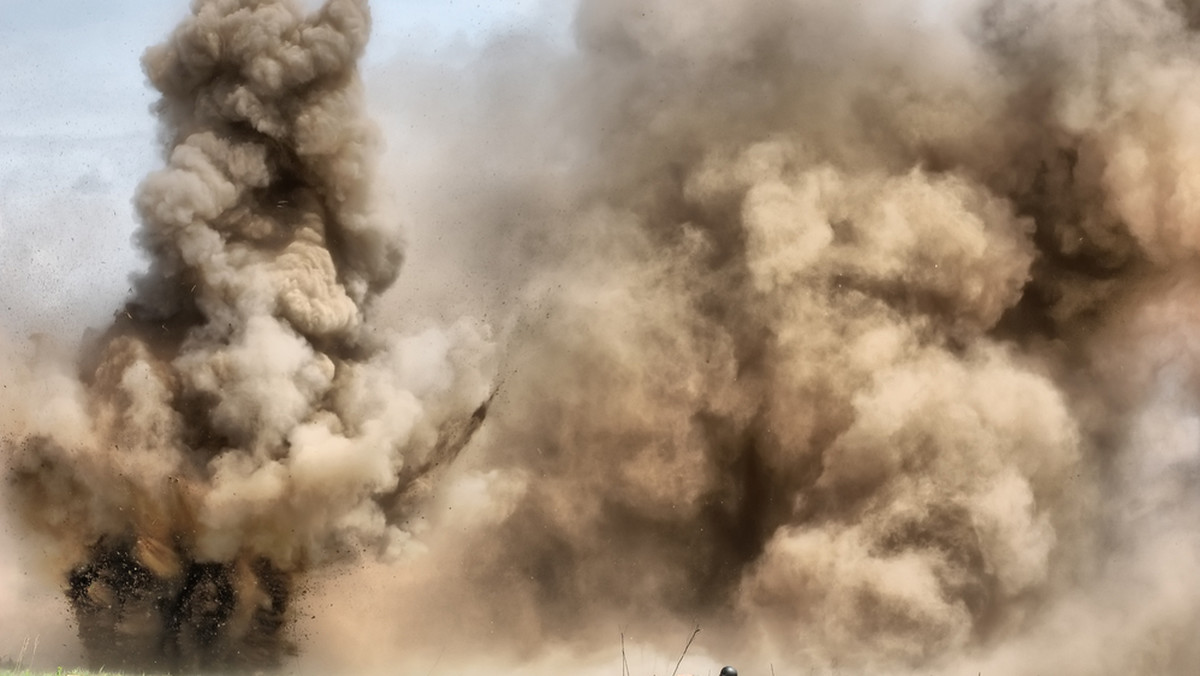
[[76, 135]]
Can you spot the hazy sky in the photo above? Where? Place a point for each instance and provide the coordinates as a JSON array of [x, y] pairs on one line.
[[76, 135]]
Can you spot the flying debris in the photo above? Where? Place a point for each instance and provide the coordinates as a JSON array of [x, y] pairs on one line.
[[863, 333], [239, 425], [139, 604]]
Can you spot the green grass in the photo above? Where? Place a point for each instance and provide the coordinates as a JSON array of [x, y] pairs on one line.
[[59, 672]]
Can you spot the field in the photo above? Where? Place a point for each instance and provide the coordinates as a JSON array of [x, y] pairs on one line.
[[61, 672]]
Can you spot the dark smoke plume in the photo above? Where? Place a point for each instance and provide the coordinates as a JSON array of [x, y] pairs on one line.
[[239, 423], [861, 334]]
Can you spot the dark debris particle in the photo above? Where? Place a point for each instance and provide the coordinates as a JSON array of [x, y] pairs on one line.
[[131, 619]]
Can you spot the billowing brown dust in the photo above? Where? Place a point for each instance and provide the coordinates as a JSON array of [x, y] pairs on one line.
[[860, 334], [239, 423]]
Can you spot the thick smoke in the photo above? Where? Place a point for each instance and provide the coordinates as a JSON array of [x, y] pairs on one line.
[[856, 334], [240, 422], [859, 335]]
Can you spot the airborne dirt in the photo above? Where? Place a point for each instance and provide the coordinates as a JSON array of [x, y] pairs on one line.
[[861, 335], [237, 424]]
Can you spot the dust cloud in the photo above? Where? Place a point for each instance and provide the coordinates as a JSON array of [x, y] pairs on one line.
[[240, 422], [860, 336]]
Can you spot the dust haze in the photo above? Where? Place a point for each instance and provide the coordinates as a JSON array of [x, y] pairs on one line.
[[860, 336]]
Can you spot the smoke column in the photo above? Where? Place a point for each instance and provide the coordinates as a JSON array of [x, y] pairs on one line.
[[240, 423], [862, 336]]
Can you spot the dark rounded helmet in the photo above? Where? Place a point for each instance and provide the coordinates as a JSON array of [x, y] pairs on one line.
[[729, 671]]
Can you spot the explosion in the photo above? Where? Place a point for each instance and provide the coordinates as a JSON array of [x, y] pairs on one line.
[[239, 423], [860, 335]]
